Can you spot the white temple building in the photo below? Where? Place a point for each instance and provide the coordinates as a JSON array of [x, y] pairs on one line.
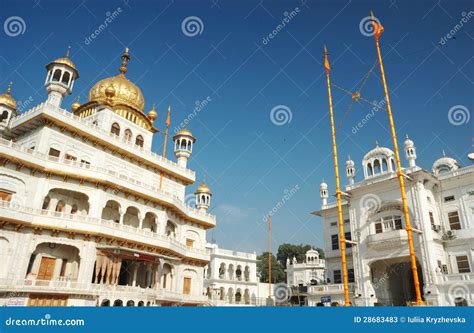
[[441, 208], [231, 278], [307, 273], [89, 214]]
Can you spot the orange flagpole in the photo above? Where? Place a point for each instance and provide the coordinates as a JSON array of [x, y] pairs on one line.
[[269, 256], [342, 239], [378, 30], [168, 122]]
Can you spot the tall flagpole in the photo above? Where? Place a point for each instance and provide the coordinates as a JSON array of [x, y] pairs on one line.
[[269, 256], [168, 122], [378, 29], [342, 238]]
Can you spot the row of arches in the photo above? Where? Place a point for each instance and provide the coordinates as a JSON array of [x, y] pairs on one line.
[[127, 134], [236, 297], [119, 302], [380, 166], [64, 201], [131, 216], [230, 273], [59, 75], [183, 144]]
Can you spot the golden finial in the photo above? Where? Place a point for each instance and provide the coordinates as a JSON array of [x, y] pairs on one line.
[[125, 59], [9, 89], [68, 52], [76, 105], [152, 115]]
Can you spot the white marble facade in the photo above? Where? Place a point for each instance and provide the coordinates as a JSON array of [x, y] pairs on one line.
[[89, 214], [441, 209]]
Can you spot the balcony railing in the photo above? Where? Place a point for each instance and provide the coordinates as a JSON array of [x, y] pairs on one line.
[[111, 291], [458, 277], [329, 288], [113, 176], [43, 107], [110, 226]]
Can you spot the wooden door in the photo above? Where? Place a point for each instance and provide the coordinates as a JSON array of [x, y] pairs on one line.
[[46, 269], [187, 286]]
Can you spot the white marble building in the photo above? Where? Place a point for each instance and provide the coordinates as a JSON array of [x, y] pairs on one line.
[[307, 273], [441, 207], [231, 278], [89, 214]]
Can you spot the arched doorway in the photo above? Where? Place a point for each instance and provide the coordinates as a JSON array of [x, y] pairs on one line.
[[105, 302], [118, 302], [392, 281]]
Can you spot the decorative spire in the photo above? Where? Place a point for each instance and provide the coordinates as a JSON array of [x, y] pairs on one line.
[[68, 52], [407, 136], [125, 59], [444, 153], [349, 157], [376, 143]]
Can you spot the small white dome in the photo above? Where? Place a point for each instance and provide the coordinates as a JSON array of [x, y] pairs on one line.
[[323, 186], [408, 143], [445, 164], [378, 152], [350, 163]]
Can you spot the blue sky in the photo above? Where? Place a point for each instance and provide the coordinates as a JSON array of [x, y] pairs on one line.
[[249, 161]]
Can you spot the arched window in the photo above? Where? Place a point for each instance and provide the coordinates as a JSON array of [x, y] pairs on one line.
[[443, 169], [139, 141], [57, 75], [376, 167], [384, 165], [3, 116], [128, 135], [115, 129], [392, 162], [369, 169], [66, 77], [60, 206], [74, 209], [46, 201]]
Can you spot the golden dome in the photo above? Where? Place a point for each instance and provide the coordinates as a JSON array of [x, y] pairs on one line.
[[185, 132], [76, 105], [118, 89], [65, 61], [152, 115], [203, 188], [7, 99]]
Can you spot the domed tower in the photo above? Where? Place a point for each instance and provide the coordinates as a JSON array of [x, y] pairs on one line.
[[410, 152], [379, 160], [444, 164], [350, 170], [60, 79], [7, 107], [323, 192], [183, 146], [203, 197]]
